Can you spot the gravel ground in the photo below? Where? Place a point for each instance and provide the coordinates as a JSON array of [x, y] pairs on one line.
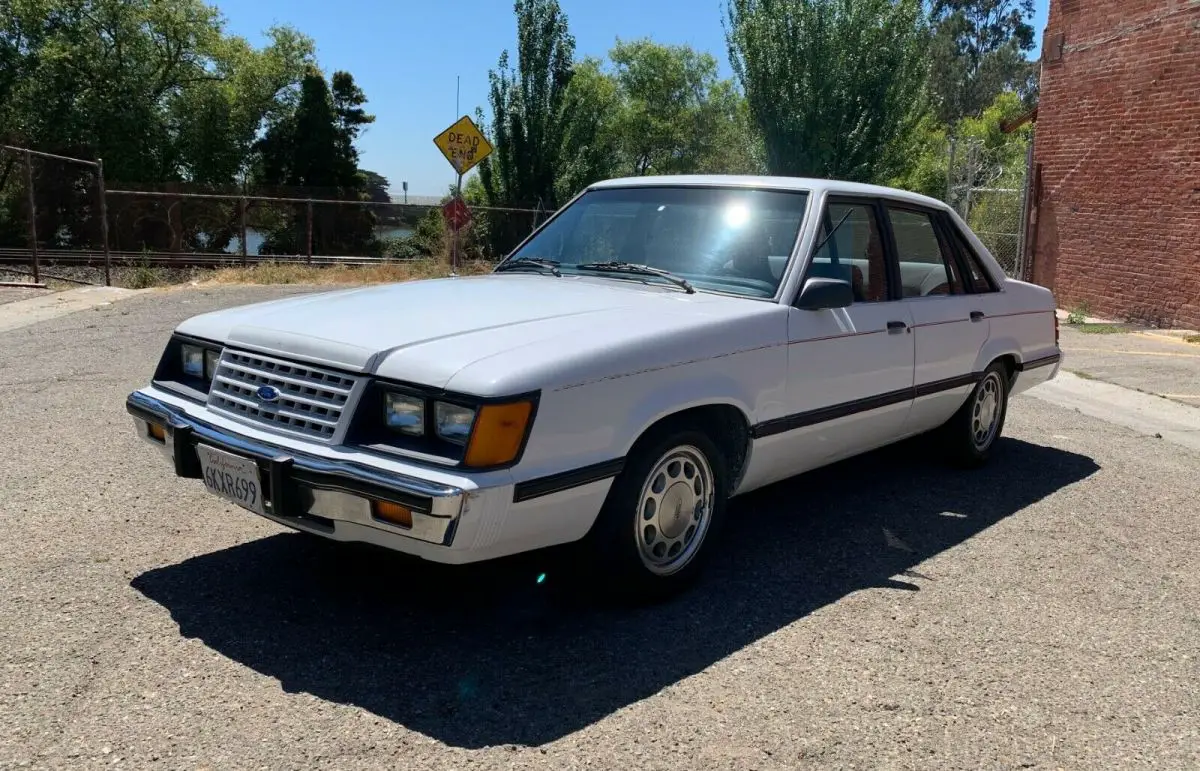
[[1045, 617], [120, 274], [13, 294]]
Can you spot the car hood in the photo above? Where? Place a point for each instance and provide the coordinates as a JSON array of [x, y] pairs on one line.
[[427, 331]]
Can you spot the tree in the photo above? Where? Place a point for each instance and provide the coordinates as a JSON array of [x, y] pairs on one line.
[[376, 186], [532, 116], [978, 50], [592, 140], [675, 115], [832, 85], [154, 87], [313, 148], [983, 175]]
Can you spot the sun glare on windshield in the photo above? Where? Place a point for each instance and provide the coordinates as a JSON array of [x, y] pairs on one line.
[[737, 214]]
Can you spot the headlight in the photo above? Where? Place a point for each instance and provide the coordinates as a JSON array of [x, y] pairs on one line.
[[453, 422], [212, 357], [404, 413], [199, 361], [193, 361]]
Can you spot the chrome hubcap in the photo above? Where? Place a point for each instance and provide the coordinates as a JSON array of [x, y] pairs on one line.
[[986, 412], [674, 510]]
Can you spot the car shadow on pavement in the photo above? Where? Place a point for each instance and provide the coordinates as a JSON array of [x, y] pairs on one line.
[[485, 655]]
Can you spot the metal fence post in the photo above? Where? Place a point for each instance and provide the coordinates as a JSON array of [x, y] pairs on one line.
[[308, 232], [104, 222], [33, 247], [972, 160], [1019, 268], [950, 172], [242, 228]]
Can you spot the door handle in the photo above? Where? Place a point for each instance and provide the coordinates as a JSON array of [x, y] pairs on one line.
[[977, 316], [896, 326]]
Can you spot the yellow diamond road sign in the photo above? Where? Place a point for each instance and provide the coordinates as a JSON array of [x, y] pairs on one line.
[[463, 144]]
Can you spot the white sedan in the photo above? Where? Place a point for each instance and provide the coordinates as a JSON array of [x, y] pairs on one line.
[[657, 347]]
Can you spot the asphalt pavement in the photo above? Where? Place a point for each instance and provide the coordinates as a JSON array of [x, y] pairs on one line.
[[1150, 361], [883, 613]]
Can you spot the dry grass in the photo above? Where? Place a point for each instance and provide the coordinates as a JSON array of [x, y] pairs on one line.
[[384, 273]]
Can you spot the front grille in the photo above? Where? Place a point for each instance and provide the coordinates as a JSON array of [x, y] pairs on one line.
[[310, 401]]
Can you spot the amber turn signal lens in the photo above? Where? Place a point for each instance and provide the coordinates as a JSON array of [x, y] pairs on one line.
[[498, 434], [157, 432], [393, 513]]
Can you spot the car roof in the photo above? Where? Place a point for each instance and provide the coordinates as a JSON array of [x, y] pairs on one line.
[[809, 184]]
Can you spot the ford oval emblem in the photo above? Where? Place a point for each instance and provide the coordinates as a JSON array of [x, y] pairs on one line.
[[267, 393]]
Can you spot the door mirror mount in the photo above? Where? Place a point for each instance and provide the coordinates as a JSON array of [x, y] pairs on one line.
[[820, 294]]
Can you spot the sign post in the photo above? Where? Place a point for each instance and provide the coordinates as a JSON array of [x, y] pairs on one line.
[[464, 146]]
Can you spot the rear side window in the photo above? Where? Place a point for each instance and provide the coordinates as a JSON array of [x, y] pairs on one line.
[[977, 278], [927, 264]]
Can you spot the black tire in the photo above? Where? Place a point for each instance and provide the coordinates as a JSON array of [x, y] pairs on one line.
[[967, 443], [613, 549]]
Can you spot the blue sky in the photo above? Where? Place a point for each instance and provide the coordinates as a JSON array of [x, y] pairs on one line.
[[405, 55]]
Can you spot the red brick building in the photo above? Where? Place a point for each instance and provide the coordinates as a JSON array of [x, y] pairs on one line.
[[1114, 216]]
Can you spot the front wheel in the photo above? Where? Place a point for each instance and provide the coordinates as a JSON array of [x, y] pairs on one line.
[[971, 434], [657, 525]]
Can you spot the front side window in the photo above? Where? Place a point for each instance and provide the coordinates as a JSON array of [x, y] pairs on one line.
[[733, 240], [850, 248], [927, 265]]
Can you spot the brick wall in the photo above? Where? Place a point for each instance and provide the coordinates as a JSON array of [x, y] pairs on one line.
[[1116, 209]]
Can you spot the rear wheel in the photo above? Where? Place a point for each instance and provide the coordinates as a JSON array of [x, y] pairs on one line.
[[658, 523], [971, 434]]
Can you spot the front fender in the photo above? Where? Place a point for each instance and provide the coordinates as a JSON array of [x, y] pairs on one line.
[[714, 389], [597, 422]]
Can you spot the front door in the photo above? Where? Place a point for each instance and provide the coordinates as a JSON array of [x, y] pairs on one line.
[[850, 370]]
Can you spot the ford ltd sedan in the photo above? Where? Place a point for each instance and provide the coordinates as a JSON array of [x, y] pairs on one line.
[[655, 348]]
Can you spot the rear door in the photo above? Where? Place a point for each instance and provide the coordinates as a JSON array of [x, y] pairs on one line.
[[949, 326]]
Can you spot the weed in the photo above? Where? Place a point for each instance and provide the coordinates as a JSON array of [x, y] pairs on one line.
[[1101, 329], [144, 275], [1079, 314]]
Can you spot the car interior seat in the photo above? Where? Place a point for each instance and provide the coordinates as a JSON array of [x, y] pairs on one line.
[[751, 255]]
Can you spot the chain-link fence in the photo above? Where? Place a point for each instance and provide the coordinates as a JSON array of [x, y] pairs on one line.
[[56, 211], [49, 203], [987, 185]]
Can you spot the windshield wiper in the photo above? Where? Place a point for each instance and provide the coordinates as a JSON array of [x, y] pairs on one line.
[[641, 270], [534, 263]]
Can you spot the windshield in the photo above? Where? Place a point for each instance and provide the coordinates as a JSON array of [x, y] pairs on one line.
[[735, 240]]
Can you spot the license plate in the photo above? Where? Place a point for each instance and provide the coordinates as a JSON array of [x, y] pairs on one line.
[[232, 477]]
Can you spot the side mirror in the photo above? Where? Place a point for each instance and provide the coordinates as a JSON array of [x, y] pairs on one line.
[[820, 294]]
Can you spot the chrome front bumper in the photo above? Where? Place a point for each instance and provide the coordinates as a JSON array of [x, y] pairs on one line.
[[302, 491]]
